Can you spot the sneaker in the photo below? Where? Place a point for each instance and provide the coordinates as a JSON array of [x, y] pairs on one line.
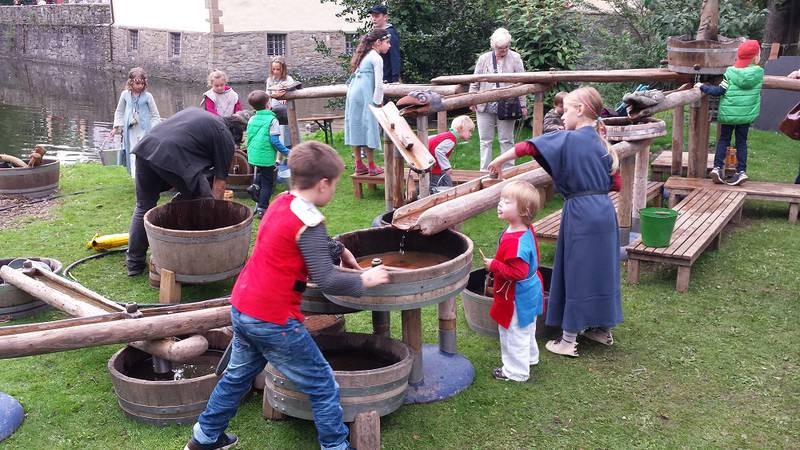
[[135, 270], [599, 335], [737, 178], [562, 347], [253, 190], [375, 171], [258, 213], [716, 175], [224, 442], [498, 374]]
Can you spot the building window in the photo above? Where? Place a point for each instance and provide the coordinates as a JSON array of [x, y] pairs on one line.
[[133, 40], [174, 44], [276, 44], [350, 43]]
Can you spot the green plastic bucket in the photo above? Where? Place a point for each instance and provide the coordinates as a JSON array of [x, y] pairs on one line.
[[656, 226]]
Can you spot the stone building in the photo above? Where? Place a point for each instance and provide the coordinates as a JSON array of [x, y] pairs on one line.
[[189, 38]]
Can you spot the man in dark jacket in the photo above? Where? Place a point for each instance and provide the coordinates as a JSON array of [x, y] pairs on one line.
[[391, 60], [182, 153]]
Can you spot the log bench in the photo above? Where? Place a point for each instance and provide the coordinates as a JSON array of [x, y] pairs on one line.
[[547, 228], [755, 190], [458, 175], [661, 167], [703, 214]]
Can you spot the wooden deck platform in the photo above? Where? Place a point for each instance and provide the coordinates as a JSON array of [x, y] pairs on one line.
[[661, 167], [458, 175], [704, 213], [547, 228], [755, 190]]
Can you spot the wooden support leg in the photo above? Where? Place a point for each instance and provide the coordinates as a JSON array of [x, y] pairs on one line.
[[633, 271], [170, 290], [373, 187], [269, 412], [357, 189], [682, 285], [658, 200], [716, 243], [365, 431], [793, 210], [673, 200], [737, 218]]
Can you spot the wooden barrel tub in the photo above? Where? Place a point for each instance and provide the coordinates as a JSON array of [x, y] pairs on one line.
[[240, 173], [17, 303], [623, 129], [166, 402], [372, 373], [202, 241], [476, 306], [39, 181], [410, 288], [687, 55]]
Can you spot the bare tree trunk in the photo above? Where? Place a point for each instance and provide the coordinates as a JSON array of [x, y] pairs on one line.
[[783, 25], [708, 30]]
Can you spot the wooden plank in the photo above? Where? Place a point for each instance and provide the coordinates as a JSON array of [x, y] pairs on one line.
[[704, 228], [683, 229], [413, 151], [696, 214], [690, 199], [734, 206], [169, 291], [365, 431], [756, 190]]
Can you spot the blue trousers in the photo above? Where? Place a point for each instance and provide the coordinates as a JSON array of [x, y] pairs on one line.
[[741, 145], [265, 178], [291, 350]]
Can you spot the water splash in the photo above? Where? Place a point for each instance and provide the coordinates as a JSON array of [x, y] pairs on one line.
[[403, 243]]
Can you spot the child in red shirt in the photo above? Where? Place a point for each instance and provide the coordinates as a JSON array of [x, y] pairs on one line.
[[518, 288]]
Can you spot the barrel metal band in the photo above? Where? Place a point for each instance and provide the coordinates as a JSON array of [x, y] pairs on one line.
[[731, 50], [208, 278], [200, 239], [128, 405]]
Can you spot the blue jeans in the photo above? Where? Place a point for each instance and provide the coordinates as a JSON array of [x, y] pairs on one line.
[[265, 178], [292, 351], [741, 145]]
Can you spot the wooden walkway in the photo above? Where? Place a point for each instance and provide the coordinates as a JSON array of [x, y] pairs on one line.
[[755, 190], [661, 167], [704, 213], [459, 176], [547, 228]]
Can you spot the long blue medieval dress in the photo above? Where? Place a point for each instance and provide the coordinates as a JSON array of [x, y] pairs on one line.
[[365, 87], [585, 288]]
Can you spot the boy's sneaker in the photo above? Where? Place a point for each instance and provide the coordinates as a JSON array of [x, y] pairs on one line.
[[737, 178], [224, 442], [599, 335], [258, 213], [499, 375], [253, 190], [562, 347], [716, 175]]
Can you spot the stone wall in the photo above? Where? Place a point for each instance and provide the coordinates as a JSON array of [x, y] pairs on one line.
[[155, 55], [72, 34]]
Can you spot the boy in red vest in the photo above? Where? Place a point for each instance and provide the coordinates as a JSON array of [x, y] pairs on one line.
[[441, 147], [292, 246]]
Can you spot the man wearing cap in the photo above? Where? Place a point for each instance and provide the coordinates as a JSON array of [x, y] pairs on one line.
[[182, 153], [391, 60]]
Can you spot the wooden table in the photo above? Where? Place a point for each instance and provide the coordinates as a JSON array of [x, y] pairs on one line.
[[325, 124]]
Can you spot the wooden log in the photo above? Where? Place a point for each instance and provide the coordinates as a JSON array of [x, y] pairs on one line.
[[425, 177], [412, 337], [641, 169], [538, 114], [708, 29], [389, 90], [677, 140], [398, 173], [447, 215], [557, 76], [388, 179], [294, 126], [698, 139], [114, 332], [67, 286], [670, 101], [627, 168], [778, 82], [492, 95], [47, 294], [365, 431], [441, 122], [174, 350]]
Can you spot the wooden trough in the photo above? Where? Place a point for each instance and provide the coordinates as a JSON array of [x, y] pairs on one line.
[[34, 182], [18, 304]]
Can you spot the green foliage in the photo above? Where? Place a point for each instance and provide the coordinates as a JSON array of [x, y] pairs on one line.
[[437, 37], [637, 38]]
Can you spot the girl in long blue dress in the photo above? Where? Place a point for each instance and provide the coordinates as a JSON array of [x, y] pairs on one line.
[[135, 115], [365, 87], [585, 289]]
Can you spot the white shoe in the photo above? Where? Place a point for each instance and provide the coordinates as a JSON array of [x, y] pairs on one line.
[[562, 347], [599, 335], [716, 175]]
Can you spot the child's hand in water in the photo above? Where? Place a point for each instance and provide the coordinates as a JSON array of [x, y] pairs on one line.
[[349, 261], [375, 276]]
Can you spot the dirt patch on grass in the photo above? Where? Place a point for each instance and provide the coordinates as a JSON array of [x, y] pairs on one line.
[[12, 209]]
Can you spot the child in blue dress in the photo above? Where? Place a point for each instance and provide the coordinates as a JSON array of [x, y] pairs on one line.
[[361, 129], [585, 288], [136, 114]]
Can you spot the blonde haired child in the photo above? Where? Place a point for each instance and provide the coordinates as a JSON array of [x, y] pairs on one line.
[[221, 99], [278, 79], [518, 288], [441, 147], [585, 288], [135, 115]]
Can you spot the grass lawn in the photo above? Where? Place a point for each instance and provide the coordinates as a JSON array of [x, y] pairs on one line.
[[716, 367]]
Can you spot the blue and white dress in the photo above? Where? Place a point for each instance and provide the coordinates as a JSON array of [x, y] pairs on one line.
[[136, 115], [365, 87]]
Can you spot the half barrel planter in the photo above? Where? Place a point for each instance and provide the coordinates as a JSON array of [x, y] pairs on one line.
[[33, 182], [17, 303]]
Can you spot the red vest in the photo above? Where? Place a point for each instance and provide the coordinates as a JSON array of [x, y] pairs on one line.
[[434, 142], [265, 288]]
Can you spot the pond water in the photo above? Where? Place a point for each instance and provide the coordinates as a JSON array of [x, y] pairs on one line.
[[70, 110]]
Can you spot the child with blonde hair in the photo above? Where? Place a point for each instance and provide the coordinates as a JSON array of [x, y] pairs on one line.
[[518, 288], [221, 99], [136, 114], [585, 288], [276, 84], [441, 147]]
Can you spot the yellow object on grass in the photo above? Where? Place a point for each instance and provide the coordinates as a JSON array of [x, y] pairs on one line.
[[107, 241]]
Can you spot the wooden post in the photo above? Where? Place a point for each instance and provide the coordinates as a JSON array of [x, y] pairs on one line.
[[698, 139], [388, 180], [412, 336], [627, 167], [441, 122], [447, 326], [294, 125], [170, 290], [365, 431], [398, 173], [677, 140], [538, 113], [382, 323], [268, 411], [424, 177], [641, 167]]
